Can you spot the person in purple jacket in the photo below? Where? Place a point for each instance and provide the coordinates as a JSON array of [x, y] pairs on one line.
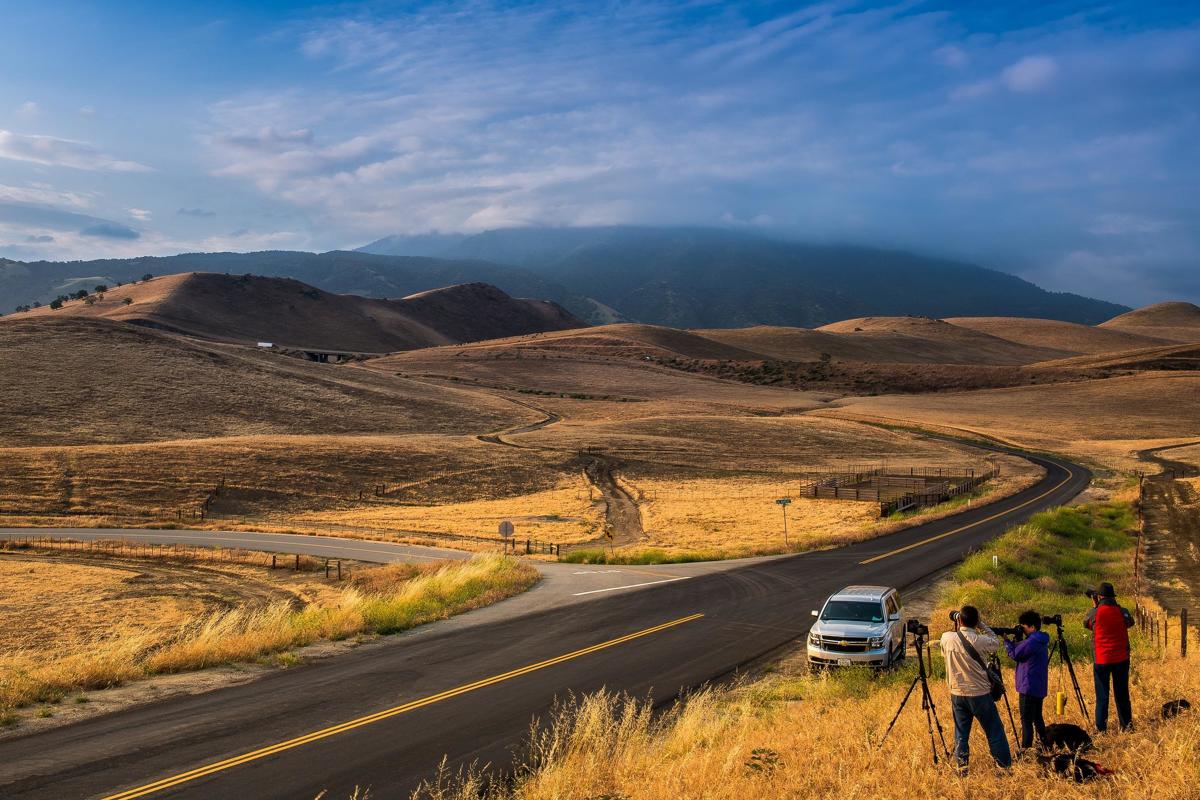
[[1032, 655]]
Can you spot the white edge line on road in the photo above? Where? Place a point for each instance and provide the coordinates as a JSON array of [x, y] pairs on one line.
[[245, 544], [630, 586]]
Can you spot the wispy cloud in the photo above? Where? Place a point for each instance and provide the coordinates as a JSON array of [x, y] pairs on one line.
[[1053, 140], [54, 152]]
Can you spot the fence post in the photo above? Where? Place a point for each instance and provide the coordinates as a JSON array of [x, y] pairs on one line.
[[297, 562], [1166, 632], [339, 569], [1183, 633]]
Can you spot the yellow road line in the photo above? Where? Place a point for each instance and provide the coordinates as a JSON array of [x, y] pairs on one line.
[[971, 525], [200, 772]]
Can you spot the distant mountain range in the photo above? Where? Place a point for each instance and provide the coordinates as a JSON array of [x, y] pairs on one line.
[[705, 277], [680, 277]]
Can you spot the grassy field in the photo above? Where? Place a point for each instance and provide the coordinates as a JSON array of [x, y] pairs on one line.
[[79, 381], [571, 512], [123, 642], [740, 513], [796, 734], [1101, 419], [269, 474]]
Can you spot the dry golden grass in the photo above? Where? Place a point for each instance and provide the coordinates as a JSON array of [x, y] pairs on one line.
[[1103, 419], [84, 381], [1055, 334], [49, 606], [565, 514], [266, 473], [740, 514], [242, 633], [819, 738], [706, 443]]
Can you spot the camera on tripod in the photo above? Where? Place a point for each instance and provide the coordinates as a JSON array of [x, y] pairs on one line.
[[1016, 631], [915, 627], [1055, 620]]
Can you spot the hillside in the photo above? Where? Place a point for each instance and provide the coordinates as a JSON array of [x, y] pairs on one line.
[[1056, 334], [934, 340], [337, 271], [1177, 322], [292, 314], [70, 380], [878, 346], [718, 278], [1162, 357]]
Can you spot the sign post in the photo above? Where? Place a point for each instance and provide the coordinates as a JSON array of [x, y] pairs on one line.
[[783, 503], [506, 532]]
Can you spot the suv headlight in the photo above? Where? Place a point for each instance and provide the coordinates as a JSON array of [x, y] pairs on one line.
[[877, 642], [814, 639]]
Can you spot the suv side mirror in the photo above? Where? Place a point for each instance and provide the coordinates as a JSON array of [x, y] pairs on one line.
[[816, 613], [894, 617]]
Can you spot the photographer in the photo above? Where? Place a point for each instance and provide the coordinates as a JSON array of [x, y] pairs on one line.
[[1110, 624], [964, 650], [1032, 655]]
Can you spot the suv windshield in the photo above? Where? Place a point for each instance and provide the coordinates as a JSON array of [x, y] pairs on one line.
[[853, 611]]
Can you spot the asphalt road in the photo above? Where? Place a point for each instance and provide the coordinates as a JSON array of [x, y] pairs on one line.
[[384, 717]]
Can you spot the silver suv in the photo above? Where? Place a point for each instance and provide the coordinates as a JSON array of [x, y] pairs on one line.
[[860, 625]]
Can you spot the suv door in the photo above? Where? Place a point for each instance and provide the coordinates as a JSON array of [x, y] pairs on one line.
[[895, 622]]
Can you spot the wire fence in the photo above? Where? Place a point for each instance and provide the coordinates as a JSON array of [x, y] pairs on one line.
[[179, 553]]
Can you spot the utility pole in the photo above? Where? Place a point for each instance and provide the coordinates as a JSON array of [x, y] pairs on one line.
[[783, 503]]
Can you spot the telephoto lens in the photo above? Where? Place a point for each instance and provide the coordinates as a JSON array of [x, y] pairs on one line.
[[954, 616]]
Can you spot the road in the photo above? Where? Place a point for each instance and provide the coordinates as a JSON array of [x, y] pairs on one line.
[[385, 716]]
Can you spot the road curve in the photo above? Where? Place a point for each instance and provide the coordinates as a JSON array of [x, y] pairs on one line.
[[384, 717]]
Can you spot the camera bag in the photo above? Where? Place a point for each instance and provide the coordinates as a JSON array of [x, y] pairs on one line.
[[993, 675]]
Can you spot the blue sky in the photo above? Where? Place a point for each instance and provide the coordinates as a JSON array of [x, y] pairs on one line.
[[1056, 140]]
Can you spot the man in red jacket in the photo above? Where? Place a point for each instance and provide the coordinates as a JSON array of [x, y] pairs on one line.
[[1110, 624]]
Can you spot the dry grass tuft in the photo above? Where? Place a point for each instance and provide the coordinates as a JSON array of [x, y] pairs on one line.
[[386, 604]]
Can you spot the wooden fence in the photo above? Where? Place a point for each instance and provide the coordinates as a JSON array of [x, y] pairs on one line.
[[944, 492], [180, 553], [1165, 630]]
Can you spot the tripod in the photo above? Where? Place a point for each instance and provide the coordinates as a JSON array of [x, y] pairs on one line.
[[1064, 659], [931, 717], [994, 663]]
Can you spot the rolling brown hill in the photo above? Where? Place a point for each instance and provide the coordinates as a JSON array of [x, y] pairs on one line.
[[1056, 335], [927, 340], [1176, 322], [72, 380], [622, 340], [292, 314], [1162, 357]]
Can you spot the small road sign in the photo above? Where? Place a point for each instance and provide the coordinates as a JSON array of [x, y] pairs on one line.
[[783, 504], [506, 529]]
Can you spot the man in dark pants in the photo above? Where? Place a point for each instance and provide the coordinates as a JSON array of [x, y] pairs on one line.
[[1032, 655], [970, 690], [1110, 624]]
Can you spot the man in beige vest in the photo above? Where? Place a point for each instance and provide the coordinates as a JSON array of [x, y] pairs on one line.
[[970, 689]]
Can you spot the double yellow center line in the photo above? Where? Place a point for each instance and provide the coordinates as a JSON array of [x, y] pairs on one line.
[[324, 733], [924, 542]]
